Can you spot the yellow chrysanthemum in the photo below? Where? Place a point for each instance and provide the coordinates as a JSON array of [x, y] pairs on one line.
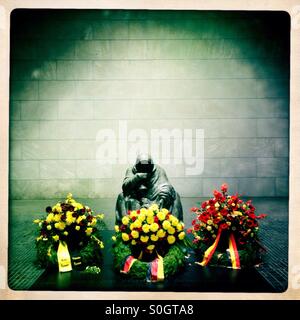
[[80, 218], [49, 227], [77, 206], [141, 217], [113, 238], [133, 242], [117, 228], [161, 216], [175, 221], [57, 217], [171, 230], [69, 218], [137, 224], [135, 234], [161, 233], [125, 236], [171, 239], [37, 221], [150, 213], [209, 222], [55, 238], [57, 208], [179, 227], [154, 207], [60, 225], [181, 235], [66, 233], [143, 211], [94, 222], [166, 224], [146, 228], [50, 217], [154, 237], [154, 227], [77, 228], [88, 231], [150, 220], [133, 214], [151, 247], [144, 239], [125, 220], [165, 211]]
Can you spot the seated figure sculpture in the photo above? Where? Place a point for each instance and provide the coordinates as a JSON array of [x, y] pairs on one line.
[[146, 183]]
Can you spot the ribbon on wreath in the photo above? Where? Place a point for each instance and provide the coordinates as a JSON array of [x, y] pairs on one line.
[[129, 261], [63, 257], [233, 251], [156, 269]]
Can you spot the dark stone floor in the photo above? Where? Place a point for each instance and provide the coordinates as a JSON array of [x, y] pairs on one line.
[[23, 273]]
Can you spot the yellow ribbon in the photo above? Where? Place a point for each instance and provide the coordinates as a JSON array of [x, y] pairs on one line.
[[63, 257]]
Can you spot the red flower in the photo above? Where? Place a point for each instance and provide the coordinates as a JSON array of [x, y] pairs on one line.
[[133, 219], [211, 202], [204, 204], [216, 220], [197, 227], [251, 223], [189, 230], [156, 219], [138, 211], [122, 227], [194, 222], [194, 209], [224, 187], [224, 226], [224, 212], [204, 217], [218, 195]]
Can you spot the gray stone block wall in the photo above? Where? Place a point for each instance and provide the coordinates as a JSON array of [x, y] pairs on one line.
[[74, 73]]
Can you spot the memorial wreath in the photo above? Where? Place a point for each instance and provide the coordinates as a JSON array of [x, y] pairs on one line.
[[149, 244], [69, 236], [226, 231]]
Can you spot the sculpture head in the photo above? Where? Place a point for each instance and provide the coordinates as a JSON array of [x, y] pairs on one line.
[[144, 163]]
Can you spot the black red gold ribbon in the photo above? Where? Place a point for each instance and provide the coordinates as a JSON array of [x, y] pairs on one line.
[[233, 252], [128, 264], [210, 251], [156, 269]]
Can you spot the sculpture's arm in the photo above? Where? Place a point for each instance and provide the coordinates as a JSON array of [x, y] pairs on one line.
[[131, 181]]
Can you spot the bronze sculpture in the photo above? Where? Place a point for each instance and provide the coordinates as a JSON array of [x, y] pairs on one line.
[[146, 183]]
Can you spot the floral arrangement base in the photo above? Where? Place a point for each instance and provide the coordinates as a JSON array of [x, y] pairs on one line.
[[172, 263], [69, 236]]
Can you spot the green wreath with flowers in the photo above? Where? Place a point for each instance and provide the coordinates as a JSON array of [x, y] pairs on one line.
[[226, 231], [145, 235], [75, 225]]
